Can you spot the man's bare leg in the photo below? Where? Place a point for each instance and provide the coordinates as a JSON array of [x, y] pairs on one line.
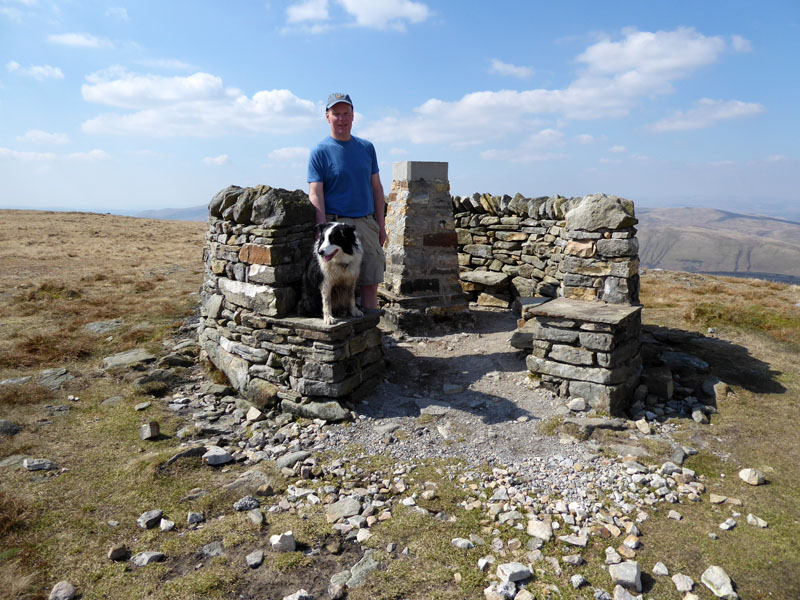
[[369, 296]]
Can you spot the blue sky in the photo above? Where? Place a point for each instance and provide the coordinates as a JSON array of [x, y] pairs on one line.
[[119, 107]]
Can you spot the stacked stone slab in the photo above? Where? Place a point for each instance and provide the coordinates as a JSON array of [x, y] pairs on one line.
[[585, 349], [257, 243], [582, 248], [421, 290]]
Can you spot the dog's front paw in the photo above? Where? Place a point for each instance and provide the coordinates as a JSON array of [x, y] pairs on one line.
[[328, 319], [356, 313]]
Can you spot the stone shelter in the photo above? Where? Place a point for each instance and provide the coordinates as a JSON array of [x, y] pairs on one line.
[[568, 265]]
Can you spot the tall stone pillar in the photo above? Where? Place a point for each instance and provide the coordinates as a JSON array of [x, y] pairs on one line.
[[421, 288]]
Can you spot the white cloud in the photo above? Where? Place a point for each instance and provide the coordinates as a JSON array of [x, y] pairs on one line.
[[706, 113], [290, 154], [381, 14], [37, 136], [79, 40], [617, 149], [193, 106], [667, 53], [398, 152], [220, 160], [168, 64], [38, 72], [92, 155], [13, 13], [314, 16], [741, 44], [615, 76], [118, 12], [308, 10], [501, 68], [118, 87], [584, 138]]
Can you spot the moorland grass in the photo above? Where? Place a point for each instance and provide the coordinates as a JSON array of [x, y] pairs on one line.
[[147, 274], [781, 325]]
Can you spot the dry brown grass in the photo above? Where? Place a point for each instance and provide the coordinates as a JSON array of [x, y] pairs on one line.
[[17, 585], [12, 512], [17, 395], [64, 270]]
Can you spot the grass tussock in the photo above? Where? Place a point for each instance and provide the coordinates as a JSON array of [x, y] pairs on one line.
[[12, 513], [15, 582], [40, 350], [51, 291], [24, 395]]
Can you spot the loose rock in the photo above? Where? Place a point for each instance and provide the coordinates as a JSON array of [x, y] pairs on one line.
[[142, 559], [149, 519], [215, 456], [246, 503], [628, 574], [283, 542], [254, 559], [752, 476], [756, 521], [39, 464], [682, 582], [63, 590], [149, 431], [9, 428], [513, 572], [717, 580]]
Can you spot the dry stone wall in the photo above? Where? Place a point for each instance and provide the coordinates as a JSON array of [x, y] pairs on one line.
[[579, 248], [257, 242]]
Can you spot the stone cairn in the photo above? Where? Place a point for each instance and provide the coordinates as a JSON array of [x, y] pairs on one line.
[[257, 242], [581, 250], [421, 290]]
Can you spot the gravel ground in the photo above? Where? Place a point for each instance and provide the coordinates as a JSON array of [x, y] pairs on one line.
[[463, 395]]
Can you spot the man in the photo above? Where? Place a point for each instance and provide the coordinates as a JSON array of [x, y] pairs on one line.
[[345, 185]]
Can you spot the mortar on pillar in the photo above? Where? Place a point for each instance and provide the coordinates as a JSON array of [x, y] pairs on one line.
[[421, 288]]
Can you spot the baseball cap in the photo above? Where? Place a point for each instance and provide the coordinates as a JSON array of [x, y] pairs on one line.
[[337, 97]]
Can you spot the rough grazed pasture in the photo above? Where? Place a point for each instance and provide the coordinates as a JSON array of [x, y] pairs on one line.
[[61, 271]]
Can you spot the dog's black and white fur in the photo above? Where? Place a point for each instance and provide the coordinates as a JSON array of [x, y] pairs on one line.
[[329, 281]]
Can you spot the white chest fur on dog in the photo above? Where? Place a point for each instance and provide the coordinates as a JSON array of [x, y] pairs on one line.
[[331, 276]]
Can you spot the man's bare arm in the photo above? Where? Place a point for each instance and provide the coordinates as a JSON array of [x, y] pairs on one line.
[[377, 195], [317, 198]]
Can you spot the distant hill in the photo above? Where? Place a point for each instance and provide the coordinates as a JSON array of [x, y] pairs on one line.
[[690, 239], [193, 213], [716, 241]]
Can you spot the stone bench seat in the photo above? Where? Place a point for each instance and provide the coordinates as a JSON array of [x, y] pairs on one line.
[[584, 348]]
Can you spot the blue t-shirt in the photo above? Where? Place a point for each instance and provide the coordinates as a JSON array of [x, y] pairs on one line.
[[345, 170]]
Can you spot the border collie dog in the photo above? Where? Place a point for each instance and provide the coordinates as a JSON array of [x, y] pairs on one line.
[[329, 281]]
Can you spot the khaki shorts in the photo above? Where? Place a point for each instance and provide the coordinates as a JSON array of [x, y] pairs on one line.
[[374, 261]]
